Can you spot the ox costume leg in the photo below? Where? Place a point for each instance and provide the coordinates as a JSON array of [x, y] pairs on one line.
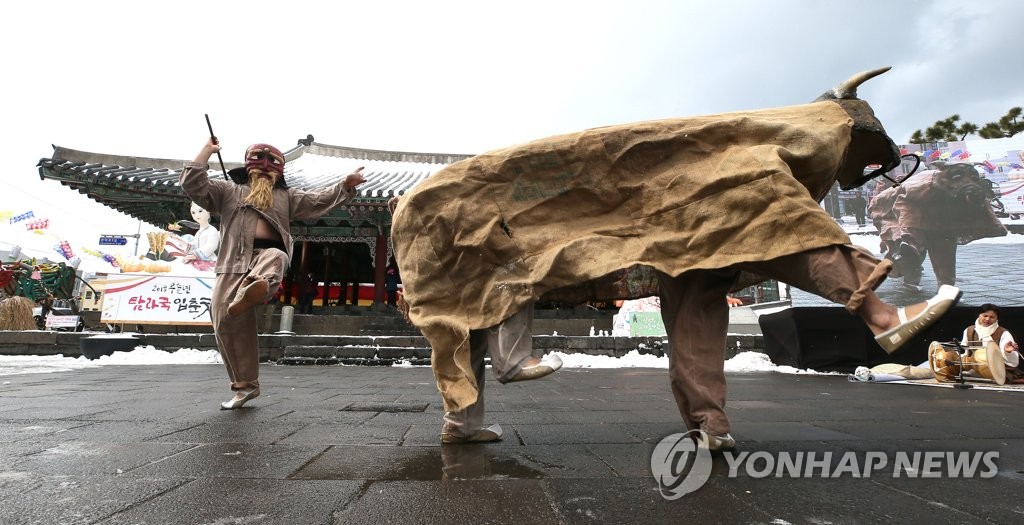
[[236, 334], [942, 252], [697, 319], [467, 425], [510, 344]]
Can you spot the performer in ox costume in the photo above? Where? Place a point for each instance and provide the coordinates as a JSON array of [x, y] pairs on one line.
[[686, 208]]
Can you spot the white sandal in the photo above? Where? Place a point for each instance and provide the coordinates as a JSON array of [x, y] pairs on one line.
[[241, 398], [893, 339]]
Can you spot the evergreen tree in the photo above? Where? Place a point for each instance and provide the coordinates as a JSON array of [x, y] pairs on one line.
[[944, 130], [949, 129], [1007, 126]]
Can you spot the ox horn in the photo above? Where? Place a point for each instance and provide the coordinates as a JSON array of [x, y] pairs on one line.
[[848, 89]]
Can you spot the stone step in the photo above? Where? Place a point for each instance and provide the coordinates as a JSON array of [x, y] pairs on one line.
[[322, 361], [396, 325], [390, 332], [354, 355], [351, 349], [356, 351]]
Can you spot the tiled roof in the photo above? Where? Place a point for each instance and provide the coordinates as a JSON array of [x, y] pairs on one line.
[[147, 188], [387, 173]]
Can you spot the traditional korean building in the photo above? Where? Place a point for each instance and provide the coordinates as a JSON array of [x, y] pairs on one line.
[[352, 244]]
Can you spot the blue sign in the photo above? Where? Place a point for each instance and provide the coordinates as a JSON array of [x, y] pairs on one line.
[[113, 240]]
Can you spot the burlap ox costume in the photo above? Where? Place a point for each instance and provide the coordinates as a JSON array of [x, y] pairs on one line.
[[677, 207], [255, 247]]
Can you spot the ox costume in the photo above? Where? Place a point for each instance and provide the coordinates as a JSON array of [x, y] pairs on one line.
[[243, 259], [687, 208]]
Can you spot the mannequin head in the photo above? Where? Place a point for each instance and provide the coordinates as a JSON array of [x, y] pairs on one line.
[[201, 216]]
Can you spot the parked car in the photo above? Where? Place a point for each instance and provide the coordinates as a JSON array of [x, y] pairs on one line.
[[37, 314]]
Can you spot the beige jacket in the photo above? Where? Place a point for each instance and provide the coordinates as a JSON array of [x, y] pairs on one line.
[[238, 219]]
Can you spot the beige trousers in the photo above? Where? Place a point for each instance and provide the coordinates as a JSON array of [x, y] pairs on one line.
[[236, 334], [696, 318], [510, 342]]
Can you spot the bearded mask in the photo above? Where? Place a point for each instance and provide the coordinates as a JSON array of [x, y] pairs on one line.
[[265, 167], [266, 158]]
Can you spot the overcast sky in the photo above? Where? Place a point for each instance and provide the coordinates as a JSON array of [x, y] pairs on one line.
[[135, 78]]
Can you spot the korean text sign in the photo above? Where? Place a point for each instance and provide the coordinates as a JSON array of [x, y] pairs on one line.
[[153, 299]]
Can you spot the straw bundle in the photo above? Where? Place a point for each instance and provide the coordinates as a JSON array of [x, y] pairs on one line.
[[16, 314]]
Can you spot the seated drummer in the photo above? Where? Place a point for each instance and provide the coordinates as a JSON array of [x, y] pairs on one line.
[[987, 329]]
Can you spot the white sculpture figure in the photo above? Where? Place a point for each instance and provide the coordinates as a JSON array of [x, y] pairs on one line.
[[199, 250], [203, 245]]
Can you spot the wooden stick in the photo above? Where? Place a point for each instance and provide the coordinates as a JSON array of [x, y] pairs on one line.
[[215, 141]]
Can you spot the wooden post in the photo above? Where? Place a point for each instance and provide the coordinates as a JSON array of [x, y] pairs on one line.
[[380, 260]]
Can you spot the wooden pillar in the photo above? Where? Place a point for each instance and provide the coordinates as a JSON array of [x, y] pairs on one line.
[[304, 259], [380, 260], [303, 271], [327, 271]]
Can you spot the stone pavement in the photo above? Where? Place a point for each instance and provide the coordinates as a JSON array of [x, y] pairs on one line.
[[342, 444]]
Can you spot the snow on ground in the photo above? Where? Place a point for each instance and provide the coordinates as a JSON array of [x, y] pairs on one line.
[[143, 355], [742, 363], [147, 355], [633, 359]]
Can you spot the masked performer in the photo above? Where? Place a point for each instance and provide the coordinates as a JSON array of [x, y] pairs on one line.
[[256, 209], [687, 209]]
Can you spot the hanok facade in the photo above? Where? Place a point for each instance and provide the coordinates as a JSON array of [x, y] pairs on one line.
[[352, 244]]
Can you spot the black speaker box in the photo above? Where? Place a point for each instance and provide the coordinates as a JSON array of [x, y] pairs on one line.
[[831, 339]]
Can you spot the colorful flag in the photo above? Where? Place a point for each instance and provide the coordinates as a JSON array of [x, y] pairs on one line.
[[988, 166], [38, 224], [935, 154], [23, 216], [965, 155], [64, 249]]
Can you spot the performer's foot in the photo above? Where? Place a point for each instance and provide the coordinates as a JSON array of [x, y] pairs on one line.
[[916, 318], [252, 295], [717, 443], [241, 397], [484, 435], [539, 368]]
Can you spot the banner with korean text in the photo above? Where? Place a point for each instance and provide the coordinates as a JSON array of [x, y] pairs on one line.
[[156, 299]]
